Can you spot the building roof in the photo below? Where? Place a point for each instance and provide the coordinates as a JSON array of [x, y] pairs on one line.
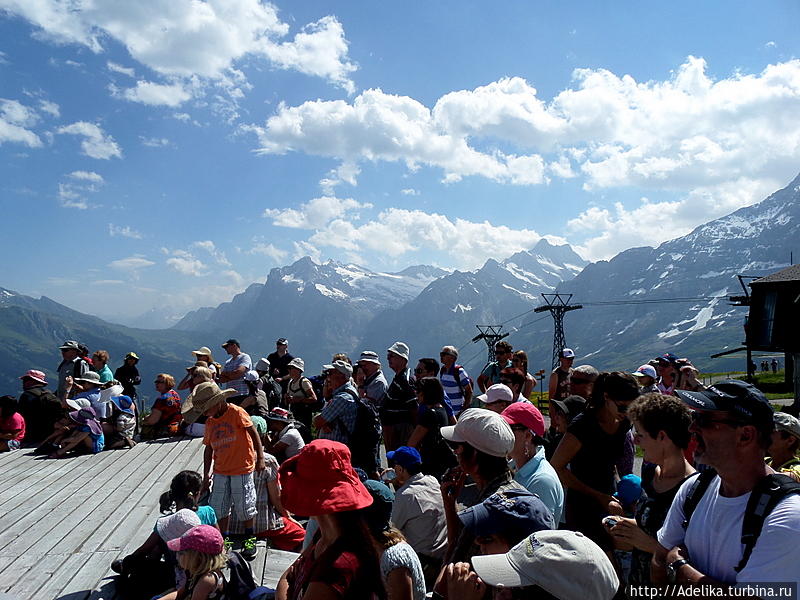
[[783, 276]]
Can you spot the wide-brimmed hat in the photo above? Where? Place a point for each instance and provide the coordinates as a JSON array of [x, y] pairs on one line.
[[203, 396], [369, 356], [525, 413], [202, 538], [280, 414], [70, 345], [199, 363], [87, 416], [114, 390], [175, 525], [37, 376], [400, 349], [89, 377], [77, 403], [297, 363], [320, 480], [202, 351], [566, 564], [482, 429], [124, 403]]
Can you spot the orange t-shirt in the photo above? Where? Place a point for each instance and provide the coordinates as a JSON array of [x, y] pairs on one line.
[[234, 453]]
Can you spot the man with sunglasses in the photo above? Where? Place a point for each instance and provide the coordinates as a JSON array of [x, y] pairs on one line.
[[702, 537]]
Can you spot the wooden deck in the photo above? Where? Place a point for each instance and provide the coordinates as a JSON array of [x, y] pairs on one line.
[[62, 522]]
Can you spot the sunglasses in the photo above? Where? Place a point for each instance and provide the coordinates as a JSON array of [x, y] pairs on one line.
[[705, 420]]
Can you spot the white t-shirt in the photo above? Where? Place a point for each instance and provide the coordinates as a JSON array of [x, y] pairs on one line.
[[293, 440], [713, 537]]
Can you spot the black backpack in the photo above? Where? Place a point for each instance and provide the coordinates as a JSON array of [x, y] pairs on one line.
[[769, 490], [239, 578], [366, 435]]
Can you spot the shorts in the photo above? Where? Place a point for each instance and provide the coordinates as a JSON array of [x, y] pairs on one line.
[[13, 445], [236, 490]]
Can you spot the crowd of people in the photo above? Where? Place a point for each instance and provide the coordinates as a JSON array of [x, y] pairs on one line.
[[479, 495]]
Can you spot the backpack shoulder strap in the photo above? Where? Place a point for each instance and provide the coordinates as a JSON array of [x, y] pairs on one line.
[[765, 496], [696, 492]]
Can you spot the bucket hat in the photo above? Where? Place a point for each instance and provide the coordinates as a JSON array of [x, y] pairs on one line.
[[89, 377], [400, 349], [38, 376], [369, 356], [280, 414], [70, 345], [321, 480], [175, 525], [87, 416], [202, 538], [297, 363]]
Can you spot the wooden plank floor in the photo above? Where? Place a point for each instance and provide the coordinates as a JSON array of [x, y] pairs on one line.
[[62, 522]]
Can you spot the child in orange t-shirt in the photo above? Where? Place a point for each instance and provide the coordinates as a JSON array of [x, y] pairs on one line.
[[234, 447]]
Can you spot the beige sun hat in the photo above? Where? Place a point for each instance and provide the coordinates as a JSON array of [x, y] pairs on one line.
[[203, 396], [203, 351]]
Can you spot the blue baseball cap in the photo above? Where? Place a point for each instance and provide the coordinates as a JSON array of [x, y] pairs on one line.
[[515, 512], [629, 489], [405, 456]]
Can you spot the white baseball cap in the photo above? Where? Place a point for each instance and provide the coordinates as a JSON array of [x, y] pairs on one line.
[[646, 371], [566, 564], [499, 392], [482, 429]]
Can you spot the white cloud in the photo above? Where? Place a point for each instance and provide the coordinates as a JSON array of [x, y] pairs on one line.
[[770, 45], [347, 172], [51, 108], [116, 68], [686, 131], [303, 248], [187, 38], [209, 247], [319, 49], [314, 214], [15, 122], [71, 196], [131, 264], [409, 192], [154, 142], [154, 94], [188, 266], [90, 176], [96, 143], [268, 250], [126, 231]]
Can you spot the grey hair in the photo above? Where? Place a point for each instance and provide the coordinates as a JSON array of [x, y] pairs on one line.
[[588, 371], [451, 350], [203, 372]]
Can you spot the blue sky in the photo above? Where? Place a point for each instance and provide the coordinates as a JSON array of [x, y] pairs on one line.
[[167, 153]]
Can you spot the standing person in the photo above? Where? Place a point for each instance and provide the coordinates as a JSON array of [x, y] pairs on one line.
[[337, 421], [234, 448], [662, 432], [581, 381], [784, 448], [100, 366], [558, 388], [482, 440], [519, 361], [715, 540], [774, 364], [585, 460], [279, 362], [268, 385], [496, 398], [342, 561], [428, 367], [204, 353], [128, 375], [374, 386], [491, 373], [515, 379], [562, 412], [235, 367], [455, 380], [39, 406], [647, 377], [399, 407], [72, 365], [666, 373], [12, 425], [300, 397], [533, 471], [437, 457]]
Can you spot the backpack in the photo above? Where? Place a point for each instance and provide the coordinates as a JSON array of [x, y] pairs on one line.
[[273, 391], [239, 578], [366, 435], [767, 493]]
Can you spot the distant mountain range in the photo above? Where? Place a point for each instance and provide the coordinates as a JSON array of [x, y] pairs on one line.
[[643, 302]]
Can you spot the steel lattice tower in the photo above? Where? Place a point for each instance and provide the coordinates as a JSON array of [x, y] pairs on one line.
[[491, 335], [557, 304]]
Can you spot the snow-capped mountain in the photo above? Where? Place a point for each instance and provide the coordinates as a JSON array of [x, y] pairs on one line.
[[700, 267]]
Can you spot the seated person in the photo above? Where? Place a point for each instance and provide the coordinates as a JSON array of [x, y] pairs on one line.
[[121, 424], [87, 436], [187, 383], [165, 418], [255, 402], [12, 425], [272, 521], [39, 406], [87, 390], [284, 439]]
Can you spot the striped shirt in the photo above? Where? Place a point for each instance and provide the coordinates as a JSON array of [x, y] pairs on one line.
[[452, 387]]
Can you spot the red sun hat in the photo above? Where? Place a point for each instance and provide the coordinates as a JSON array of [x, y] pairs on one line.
[[525, 413], [320, 480], [203, 538]]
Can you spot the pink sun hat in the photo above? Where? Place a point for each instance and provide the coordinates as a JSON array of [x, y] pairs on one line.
[[203, 538]]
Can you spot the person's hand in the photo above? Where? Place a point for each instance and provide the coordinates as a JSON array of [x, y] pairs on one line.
[[627, 531], [452, 484], [206, 485], [68, 381], [614, 507], [676, 553], [463, 583], [261, 464]]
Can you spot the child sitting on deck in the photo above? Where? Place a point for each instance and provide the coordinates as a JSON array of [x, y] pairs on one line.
[[201, 552], [86, 437], [120, 427], [12, 425], [272, 520]]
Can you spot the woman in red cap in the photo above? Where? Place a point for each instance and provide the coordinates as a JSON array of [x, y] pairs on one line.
[[342, 562]]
